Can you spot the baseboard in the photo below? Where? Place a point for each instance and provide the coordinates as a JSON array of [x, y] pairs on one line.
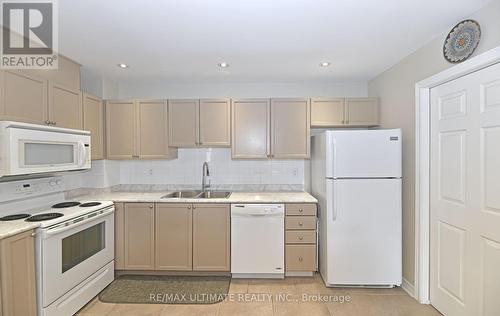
[[408, 288]]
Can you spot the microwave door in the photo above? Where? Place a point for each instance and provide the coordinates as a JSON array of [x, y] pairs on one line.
[[33, 151]]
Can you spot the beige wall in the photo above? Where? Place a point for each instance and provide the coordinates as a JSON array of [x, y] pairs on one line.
[[396, 89]]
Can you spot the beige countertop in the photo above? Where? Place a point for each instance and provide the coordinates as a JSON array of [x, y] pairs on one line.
[[12, 228], [8, 229], [236, 197]]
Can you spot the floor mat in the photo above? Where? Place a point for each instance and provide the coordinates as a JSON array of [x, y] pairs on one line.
[[144, 289]]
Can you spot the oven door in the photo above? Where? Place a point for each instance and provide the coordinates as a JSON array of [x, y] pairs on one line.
[[38, 151], [74, 250]]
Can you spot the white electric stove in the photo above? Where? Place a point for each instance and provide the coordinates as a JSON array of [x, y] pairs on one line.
[[74, 244]]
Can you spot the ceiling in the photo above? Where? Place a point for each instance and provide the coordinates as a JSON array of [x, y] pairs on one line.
[[262, 40]]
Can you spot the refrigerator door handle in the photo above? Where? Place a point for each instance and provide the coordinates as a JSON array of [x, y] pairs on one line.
[[334, 158], [335, 197]]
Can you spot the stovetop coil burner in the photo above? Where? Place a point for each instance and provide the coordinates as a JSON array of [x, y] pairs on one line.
[[43, 217], [65, 204], [14, 217], [89, 204]]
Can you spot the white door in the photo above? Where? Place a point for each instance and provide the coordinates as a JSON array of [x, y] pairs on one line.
[[366, 154], [465, 195]]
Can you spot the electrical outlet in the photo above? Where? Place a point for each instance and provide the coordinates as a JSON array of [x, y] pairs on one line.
[[295, 171]]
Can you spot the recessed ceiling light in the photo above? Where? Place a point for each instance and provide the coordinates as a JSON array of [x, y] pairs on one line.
[[324, 64], [123, 66], [223, 65]]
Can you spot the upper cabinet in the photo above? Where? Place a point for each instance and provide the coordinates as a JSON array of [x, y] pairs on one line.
[[194, 123], [93, 121], [120, 129], [215, 123], [65, 106], [137, 130], [362, 111], [344, 112], [152, 131], [183, 122], [327, 112], [48, 97], [251, 128], [290, 128], [23, 97], [277, 128]]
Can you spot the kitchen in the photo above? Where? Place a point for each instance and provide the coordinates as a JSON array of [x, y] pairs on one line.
[[250, 175]]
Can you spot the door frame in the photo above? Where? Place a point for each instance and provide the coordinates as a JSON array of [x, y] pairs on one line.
[[422, 162]]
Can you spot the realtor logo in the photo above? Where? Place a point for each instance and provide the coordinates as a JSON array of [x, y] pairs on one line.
[[29, 37]]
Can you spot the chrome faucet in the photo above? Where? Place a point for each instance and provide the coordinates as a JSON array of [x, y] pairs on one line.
[[206, 173]]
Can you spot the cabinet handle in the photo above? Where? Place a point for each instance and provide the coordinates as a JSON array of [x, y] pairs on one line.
[[54, 123], [301, 259], [300, 237], [33, 234], [47, 122], [301, 210], [151, 207], [301, 224], [189, 207], [194, 207]]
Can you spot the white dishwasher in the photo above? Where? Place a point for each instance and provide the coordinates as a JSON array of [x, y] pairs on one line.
[[258, 241]]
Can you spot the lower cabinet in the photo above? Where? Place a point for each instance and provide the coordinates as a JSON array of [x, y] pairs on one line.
[[17, 275], [300, 238], [139, 236], [211, 237], [172, 237]]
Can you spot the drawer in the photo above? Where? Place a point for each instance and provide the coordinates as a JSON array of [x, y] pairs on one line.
[[300, 222], [300, 237], [300, 257], [300, 209]]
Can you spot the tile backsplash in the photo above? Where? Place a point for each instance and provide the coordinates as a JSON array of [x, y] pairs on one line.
[[187, 170]]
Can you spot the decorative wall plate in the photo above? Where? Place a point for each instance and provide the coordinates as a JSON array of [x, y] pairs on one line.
[[462, 41]]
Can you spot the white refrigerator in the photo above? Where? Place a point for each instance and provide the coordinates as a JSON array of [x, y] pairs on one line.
[[356, 176]]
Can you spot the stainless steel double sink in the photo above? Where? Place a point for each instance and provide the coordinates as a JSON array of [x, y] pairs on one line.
[[197, 194]]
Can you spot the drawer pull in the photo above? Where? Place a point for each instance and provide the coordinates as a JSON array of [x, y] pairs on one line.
[[300, 237], [189, 207], [301, 210], [301, 224], [301, 259]]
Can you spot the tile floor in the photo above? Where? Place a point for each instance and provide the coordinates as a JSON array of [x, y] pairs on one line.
[[281, 297]]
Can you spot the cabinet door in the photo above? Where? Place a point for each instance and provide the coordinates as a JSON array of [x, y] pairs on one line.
[[139, 236], [120, 129], [362, 111], [183, 122], [211, 237], [173, 237], [119, 236], [93, 121], [250, 126], [327, 112], [65, 106], [152, 138], [290, 128], [215, 123], [17, 275], [23, 98]]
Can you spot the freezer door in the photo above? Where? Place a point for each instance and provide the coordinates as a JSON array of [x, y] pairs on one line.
[[366, 153], [364, 233]]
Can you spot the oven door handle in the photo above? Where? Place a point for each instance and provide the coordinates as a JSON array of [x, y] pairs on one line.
[[58, 230]]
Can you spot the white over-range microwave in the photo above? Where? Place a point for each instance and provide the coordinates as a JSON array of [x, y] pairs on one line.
[[31, 149]]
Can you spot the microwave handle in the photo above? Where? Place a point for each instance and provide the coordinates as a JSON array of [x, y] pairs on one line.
[[81, 154]]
